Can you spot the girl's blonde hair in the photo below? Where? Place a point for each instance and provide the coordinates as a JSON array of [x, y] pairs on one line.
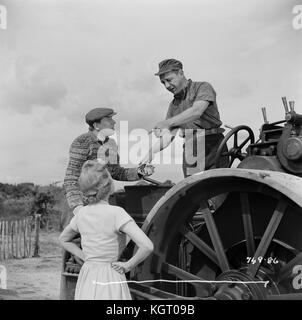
[[95, 181]]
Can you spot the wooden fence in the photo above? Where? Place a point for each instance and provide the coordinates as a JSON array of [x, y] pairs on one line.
[[16, 238]]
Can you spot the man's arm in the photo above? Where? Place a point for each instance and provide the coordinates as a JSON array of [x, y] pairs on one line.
[[172, 123], [193, 113], [165, 138]]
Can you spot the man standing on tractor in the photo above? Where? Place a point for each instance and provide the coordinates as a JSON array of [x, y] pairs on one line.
[[194, 111]]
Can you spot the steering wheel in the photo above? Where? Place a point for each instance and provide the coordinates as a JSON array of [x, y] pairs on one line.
[[236, 151]]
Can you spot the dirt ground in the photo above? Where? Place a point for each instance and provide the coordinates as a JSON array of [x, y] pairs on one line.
[[37, 278]]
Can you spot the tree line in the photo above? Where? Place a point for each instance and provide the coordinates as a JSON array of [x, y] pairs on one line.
[[24, 199]]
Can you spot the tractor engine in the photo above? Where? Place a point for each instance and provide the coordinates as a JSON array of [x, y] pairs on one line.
[[279, 148]]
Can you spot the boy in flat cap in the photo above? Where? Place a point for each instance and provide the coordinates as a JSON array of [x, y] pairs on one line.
[[193, 107], [96, 144]]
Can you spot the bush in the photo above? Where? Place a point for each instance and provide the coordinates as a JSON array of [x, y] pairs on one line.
[[16, 208], [24, 199]]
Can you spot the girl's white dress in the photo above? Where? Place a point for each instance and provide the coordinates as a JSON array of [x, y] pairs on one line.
[[102, 243]]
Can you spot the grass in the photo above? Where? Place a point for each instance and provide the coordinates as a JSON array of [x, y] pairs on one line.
[[49, 243], [37, 278]]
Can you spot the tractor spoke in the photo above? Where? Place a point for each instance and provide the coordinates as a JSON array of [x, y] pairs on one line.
[[268, 236], [205, 286], [215, 238], [236, 139], [243, 143], [231, 162], [200, 245], [247, 224], [286, 271]]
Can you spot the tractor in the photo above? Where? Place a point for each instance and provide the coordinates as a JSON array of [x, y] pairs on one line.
[[227, 233]]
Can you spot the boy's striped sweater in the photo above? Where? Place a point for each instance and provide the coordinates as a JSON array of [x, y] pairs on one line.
[[88, 147]]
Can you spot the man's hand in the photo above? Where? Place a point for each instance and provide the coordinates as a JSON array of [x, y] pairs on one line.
[[76, 209], [165, 124], [145, 170], [161, 128]]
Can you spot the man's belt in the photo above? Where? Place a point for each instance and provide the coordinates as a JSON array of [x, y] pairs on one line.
[[214, 131], [207, 131]]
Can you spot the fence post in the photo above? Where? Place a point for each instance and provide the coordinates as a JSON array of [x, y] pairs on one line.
[[12, 238], [16, 238], [37, 229], [20, 238], [4, 237], [8, 239], [2, 240], [24, 238], [1, 246], [29, 244]]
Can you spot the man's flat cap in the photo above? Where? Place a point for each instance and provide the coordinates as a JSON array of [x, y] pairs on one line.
[[97, 114], [168, 65]]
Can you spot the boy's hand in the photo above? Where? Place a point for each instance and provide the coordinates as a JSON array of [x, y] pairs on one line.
[[145, 170]]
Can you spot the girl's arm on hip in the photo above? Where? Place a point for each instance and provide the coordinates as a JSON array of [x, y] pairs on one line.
[[145, 245], [66, 241]]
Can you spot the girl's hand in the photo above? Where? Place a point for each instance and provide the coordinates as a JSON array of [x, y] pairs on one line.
[[120, 267], [79, 260]]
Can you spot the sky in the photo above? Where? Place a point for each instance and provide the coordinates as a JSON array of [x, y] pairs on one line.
[[61, 58]]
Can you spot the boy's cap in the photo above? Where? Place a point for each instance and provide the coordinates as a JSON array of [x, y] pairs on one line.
[[168, 65], [97, 114]]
